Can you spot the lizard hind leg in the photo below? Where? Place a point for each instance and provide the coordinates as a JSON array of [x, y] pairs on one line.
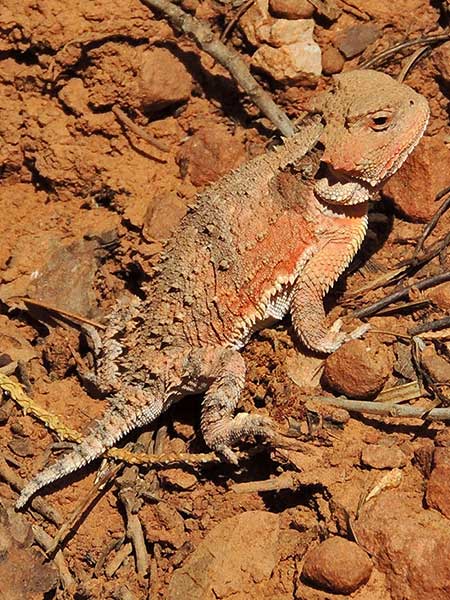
[[136, 409], [220, 428]]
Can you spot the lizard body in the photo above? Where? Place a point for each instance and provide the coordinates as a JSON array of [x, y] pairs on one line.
[[270, 238]]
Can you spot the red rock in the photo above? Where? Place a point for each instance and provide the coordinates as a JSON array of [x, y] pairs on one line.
[[337, 566], [413, 189], [383, 457], [75, 96], [25, 574], [236, 559], [423, 457], [440, 295], [410, 545], [441, 60], [21, 446], [332, 61], [256, 22], [163, 80], [163, 524], [209, 154], [162, 216], [178, 479], [77, 292], [355, 40], [290, 63], [438, 485], [286, 48], [359, 368], [437, 366], [291, 9]]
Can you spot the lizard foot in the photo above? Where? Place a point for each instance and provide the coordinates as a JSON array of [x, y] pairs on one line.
[[335, 338], [221, 436]]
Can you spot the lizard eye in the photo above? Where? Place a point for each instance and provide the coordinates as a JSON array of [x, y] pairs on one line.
[[380, 121]]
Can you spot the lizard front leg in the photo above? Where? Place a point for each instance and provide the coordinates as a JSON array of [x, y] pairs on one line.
[[333, 255]]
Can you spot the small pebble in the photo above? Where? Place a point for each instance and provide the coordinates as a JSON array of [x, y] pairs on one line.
[[291, 9], [383, 457], [178, 479], [21, 447], [355, 40], [337, 565], [359, 369], [332, 61], [413, 189], [437, 495], [163, 80], [441, 60]]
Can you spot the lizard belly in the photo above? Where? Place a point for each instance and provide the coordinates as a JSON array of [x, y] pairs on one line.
[[276, 309], [278, 306]]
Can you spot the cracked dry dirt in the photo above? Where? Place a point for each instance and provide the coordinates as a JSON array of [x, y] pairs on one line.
[[86, 205]]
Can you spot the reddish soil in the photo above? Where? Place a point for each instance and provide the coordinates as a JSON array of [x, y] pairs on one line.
[[86, 206]]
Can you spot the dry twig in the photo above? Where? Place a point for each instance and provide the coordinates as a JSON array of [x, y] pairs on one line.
[[129, 497], [65, 313], [433, 221], [422, 41], [381, 281], [82, 507], [286, 481], [145, 135], [118, 559], [227, 57], [45, 541], [399, 294], [135, 533], [430, 326], [241, 11], [412, 60], [385, 409]]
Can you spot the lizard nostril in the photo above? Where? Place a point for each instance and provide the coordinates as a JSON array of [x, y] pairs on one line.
[[411, 103]]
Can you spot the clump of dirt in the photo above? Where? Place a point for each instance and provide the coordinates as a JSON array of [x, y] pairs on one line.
[[88, 201]]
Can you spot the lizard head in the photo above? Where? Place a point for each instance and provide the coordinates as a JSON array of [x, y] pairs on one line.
[[372, 124]]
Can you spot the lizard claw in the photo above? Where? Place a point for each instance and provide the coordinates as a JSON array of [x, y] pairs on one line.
[[359, 332], [336, 338]]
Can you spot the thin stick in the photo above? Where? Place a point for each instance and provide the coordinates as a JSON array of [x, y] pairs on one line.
[[385, 409], [401, 293], [416, 304], [135, 533], [284, 482], [118, 559], [28, 405], [128, 495], [145, 135], [228, 58], [241, 11], [431, 253], [45, 541], [83, 505], [61, 311], [430, 326], [381, 56], [433, 221], [380, 281], [413, 59]]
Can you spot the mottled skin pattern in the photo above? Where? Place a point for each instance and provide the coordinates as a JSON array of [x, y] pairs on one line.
[[270, 238]]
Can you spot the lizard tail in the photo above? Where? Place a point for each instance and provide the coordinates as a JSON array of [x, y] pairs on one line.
[[137, 411]]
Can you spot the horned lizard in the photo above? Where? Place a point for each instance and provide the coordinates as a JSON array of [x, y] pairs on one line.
[[268, 239]]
